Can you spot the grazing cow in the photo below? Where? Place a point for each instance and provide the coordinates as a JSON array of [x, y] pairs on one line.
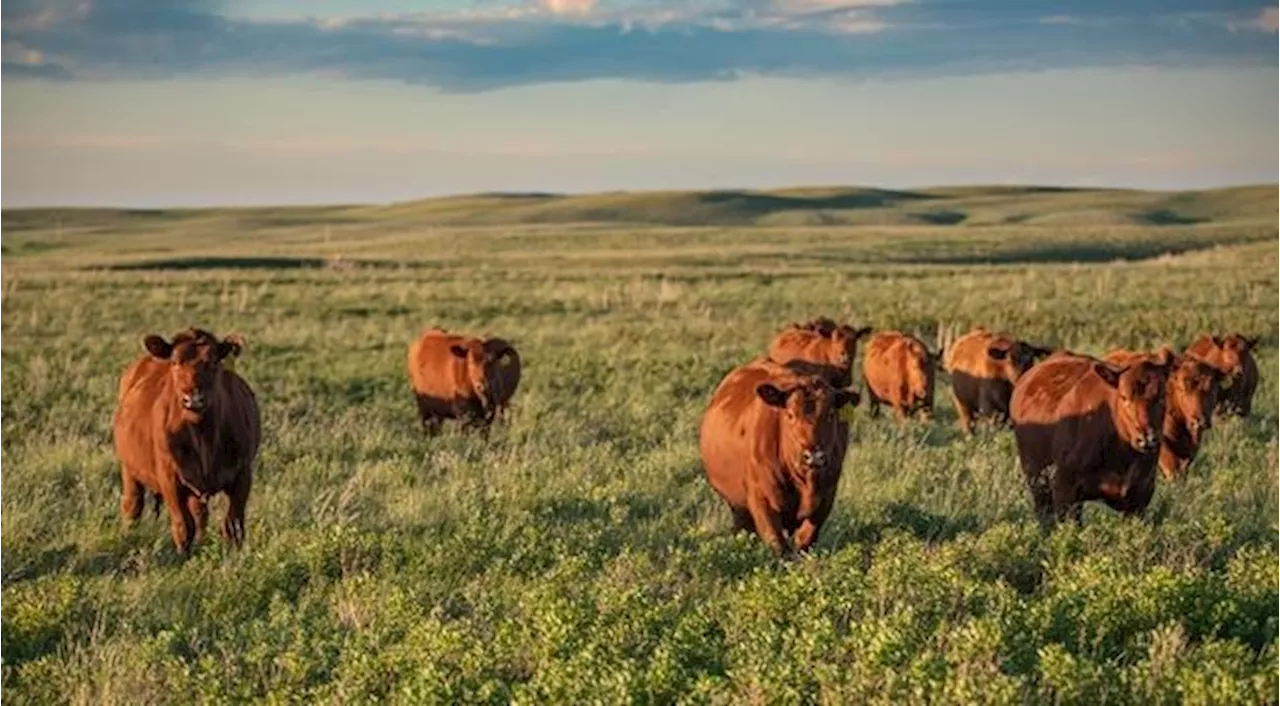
[[1232, 356], [186, 428], [1087, 430], [984, 366], [898, 370], [820, 342], [773, 445], [1191, 394], [461, 377]]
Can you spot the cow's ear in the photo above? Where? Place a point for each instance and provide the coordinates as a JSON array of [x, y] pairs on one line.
[[862, 332], [159, 348], [772, 395], [1166, 357], [1249, 343], [458, 351], [1109, 375], [998, 351], [231, 346], [847, 397], [1038, 352]]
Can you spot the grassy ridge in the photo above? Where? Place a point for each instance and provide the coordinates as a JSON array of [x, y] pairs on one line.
[[578, 554]]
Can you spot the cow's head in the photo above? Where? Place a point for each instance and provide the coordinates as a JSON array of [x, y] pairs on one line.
[[1013, 358], [845, 340], [1138, 404], [484, 358], [1193, 393], [809, 417], [195, 359], [1232, 350]]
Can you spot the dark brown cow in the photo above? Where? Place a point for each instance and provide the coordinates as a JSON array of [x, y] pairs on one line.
[[1087, 430], [899, 371], [187, 428], [1191, 394], [461, 377], [820, 342], [984, 365], [1232, 356], [773, 445]]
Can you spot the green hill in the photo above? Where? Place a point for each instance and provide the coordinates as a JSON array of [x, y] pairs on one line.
[[956, 206]]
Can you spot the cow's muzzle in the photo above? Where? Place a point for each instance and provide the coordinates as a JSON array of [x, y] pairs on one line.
[[1149, 441], [814, 458], [193, 401]]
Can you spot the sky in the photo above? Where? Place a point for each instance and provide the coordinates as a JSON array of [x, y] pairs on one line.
[[198, 102]]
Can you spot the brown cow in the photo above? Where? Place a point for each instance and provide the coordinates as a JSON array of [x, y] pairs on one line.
[[1087, 430], [820, 342], [984, 366], [187, 428], [773, 445], [461, 377], [1232, 356], [898, 370], [1191, 394]]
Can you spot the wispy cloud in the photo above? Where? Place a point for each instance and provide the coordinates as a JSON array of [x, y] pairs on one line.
[[540, 41]]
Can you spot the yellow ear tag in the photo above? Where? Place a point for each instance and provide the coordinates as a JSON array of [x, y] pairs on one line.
[[1227, 382], [846, 413]]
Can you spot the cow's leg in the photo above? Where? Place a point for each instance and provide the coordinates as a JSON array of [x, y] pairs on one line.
[[199, 511], [742, 521], [181, 524], [233, 522], [1066, 503], [900, 412], [964, 415], [873, 404], [1042, 498], [807, 533], [768, 523], [132, 499]]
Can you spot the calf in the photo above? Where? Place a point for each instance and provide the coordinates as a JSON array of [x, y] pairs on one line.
[[899, 371], [820, 342], [186, 428], [1087, 430], [461, 377], [773, 446], [1191, 394], [984, 367], [1232, 356]]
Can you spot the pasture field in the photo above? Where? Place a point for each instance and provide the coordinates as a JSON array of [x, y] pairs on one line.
[[578, 555]]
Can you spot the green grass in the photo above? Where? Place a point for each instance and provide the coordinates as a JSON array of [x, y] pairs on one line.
[[578, 556]]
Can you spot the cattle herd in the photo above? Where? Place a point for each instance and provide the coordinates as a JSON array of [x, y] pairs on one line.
[[774, 436]]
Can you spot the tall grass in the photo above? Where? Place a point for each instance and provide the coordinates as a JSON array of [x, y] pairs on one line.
[[578, 554]]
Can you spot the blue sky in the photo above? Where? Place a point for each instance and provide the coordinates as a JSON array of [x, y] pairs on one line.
[[167, 102]]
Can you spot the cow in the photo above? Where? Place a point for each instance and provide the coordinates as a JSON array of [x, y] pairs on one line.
[[820, 342], [773, 445], [984, 365], [1232, 356], [1191, 395], [898, 370], [186, 428], [461, 377], [1087, 430]]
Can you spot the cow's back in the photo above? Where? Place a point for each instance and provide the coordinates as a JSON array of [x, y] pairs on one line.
[[968, 354], [434, 371], [140, 417], [889, 362], [738, 431], [799, 344]]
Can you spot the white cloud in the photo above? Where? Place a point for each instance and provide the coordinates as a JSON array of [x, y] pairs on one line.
[[568, 7], [1267, 20], [17, 53]]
